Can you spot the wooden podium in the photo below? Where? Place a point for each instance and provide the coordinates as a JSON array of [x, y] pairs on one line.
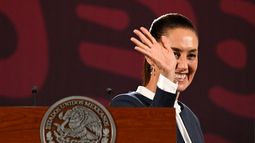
[[133, 125]]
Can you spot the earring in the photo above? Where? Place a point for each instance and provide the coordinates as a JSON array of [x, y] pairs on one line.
[[152, 70]]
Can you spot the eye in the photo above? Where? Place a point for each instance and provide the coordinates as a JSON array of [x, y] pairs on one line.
[[192, 56], [177, 54]]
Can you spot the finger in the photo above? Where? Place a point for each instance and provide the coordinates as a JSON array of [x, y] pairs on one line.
[[143, 38], [148, 34], [142, 48], [139, 44], [143, 51], [147, 56], [150, 61]]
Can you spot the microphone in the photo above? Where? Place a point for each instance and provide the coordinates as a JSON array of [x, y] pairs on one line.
[[109, 92], [34, 94]]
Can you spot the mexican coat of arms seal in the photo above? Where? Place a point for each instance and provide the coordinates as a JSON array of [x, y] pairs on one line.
[[77, 119]]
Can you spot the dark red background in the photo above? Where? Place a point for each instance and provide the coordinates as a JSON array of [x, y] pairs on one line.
[[82, 47]]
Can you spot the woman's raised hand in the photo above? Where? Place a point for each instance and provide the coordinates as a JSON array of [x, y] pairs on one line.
[[159, 54]]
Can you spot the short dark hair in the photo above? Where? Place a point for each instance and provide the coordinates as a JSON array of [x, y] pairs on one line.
[[159, 28]]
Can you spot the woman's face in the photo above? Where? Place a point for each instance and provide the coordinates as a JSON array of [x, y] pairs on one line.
[[185, 47]]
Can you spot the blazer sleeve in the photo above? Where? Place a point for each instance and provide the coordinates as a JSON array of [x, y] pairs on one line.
[[163, 99]]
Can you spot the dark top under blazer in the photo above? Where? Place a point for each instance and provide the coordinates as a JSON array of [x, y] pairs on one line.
[[163, 99]]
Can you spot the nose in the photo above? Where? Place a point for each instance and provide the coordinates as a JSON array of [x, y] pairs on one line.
[[182, 64]]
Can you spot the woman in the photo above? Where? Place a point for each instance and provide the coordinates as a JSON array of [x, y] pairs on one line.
[[171, 58]]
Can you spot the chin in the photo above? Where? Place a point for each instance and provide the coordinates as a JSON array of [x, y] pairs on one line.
[[182, 87]]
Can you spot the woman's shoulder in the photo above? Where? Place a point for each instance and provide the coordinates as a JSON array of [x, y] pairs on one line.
[[126, 100]]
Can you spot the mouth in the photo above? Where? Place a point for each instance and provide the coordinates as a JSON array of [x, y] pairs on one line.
[[180, 77]]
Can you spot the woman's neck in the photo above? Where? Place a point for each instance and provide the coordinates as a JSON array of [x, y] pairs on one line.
[[152, 84]]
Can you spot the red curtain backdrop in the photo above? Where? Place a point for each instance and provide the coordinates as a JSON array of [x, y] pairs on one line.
[[82, 47]]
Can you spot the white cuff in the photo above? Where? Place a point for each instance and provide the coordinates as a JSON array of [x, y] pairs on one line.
[[166, 84]]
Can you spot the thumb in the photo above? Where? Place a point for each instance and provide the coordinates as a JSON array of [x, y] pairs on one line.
[[149, 60], [166, 42]]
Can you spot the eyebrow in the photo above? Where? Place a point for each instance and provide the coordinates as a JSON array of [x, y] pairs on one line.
[[179, 50]]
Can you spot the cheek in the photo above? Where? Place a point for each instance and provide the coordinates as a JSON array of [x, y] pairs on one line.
[[193, 67], [192, 70]]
